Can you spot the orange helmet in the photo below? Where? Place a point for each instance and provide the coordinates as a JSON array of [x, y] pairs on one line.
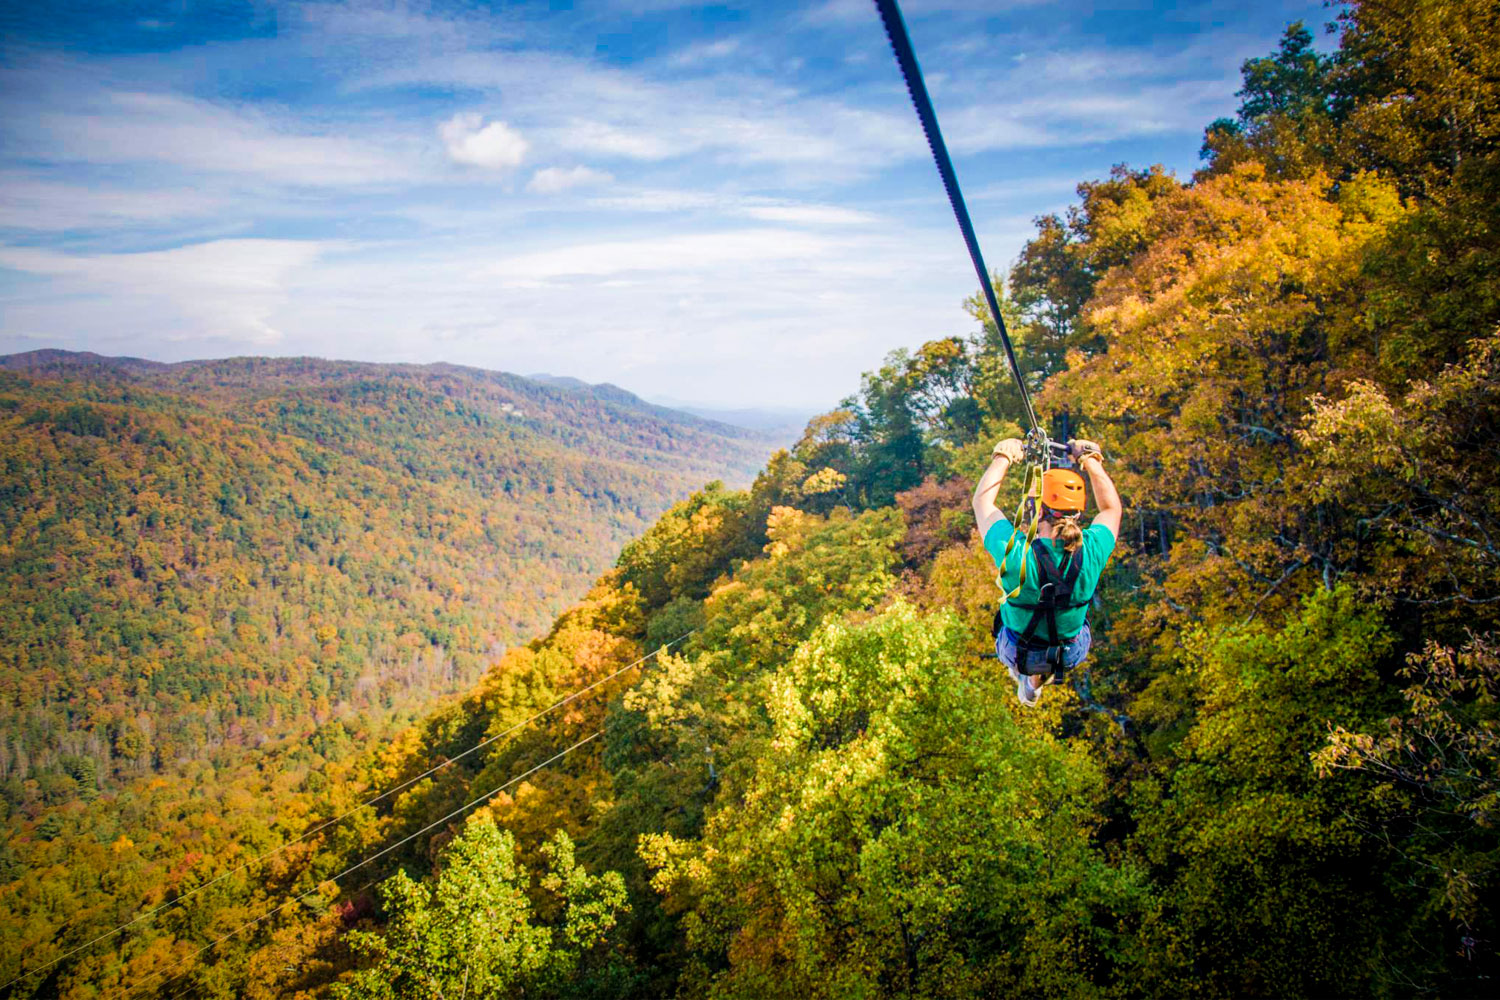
[[1062, 491]]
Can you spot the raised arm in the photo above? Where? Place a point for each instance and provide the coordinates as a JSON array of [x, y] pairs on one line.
[[1111, 508], [986, 494]]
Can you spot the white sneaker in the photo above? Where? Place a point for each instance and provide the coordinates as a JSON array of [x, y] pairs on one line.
[[1024, 691]]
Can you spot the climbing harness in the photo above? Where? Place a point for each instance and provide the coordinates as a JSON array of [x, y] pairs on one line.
[[1054, 594], [1051, 492], [1044, 458]]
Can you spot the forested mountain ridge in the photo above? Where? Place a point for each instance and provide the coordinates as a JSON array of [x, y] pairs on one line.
[[227, 552], [1278, 774]]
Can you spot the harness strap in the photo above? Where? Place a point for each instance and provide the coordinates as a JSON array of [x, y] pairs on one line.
[[1030, 512]]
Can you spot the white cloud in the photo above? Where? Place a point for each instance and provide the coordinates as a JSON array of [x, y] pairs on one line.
[[1031, 189], [659, 200], [704, 52], [762, 209], [809, 215], [552, 180], [400, 22], [842, 13], [837, 12], [470, 141]]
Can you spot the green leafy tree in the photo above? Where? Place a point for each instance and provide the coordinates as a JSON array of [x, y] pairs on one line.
[[1413, 471], [472, 929], [1421, 82], [1260, 864], [1435, 768], [688, 547], [1287, 114], [897, 835], [1293, 81]]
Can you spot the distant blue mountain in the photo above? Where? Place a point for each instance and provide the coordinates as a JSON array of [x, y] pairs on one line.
[[783, 425], [778, 421]]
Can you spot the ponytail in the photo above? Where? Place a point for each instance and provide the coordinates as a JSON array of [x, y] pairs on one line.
[[1069, 534]]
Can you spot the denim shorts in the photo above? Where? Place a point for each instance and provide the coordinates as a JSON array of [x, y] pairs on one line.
[[1072, 651]]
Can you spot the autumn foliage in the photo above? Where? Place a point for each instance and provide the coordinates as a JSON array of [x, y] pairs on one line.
[[1275, 776]]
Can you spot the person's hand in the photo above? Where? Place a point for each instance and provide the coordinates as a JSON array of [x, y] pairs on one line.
[[1079, 448], [1012, 449]]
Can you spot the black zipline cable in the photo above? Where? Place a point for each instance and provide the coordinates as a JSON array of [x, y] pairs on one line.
[[895, 30]]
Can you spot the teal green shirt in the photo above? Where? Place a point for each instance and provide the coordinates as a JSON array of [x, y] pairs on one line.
[[1098, 543]]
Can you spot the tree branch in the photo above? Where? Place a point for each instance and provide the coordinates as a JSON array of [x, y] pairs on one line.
[[1255, 610]]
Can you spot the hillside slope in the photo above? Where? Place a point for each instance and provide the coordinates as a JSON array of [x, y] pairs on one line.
[[226, 552]]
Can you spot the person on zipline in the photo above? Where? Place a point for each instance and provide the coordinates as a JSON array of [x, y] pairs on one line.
[[1044, 633]]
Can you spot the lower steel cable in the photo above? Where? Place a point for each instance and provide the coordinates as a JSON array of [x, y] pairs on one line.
[[356, 866]]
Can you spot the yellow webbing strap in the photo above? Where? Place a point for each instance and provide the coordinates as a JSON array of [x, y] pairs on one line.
[[1033, 492]]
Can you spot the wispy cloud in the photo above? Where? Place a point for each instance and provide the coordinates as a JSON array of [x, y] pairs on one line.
[[835, 12], [598, 138], [751, 207], [700, 53], [27, 202], [813, 215], [844, 12], [554, 180], [694, 252], [226, 291], [125, 127], [402, 22]]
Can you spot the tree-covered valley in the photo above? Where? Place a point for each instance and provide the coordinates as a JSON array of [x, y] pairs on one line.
[[764, 755], [204, 559]]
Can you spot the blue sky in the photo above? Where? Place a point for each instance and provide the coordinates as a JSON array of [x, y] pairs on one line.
[[726, 204]]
